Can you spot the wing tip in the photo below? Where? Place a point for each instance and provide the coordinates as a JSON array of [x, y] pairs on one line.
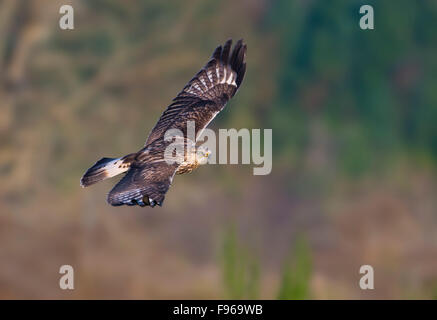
[[238, 60], [82, 183], [137, 197], [235, 59], [217, 53]]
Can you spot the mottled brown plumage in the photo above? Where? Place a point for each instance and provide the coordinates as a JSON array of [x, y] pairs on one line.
[[189, 167], [149, 176]]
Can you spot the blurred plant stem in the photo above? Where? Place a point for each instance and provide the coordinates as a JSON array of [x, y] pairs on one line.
[[241, 271], [296, 274]]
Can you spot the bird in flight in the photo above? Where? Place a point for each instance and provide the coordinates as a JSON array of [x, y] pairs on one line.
[[148, 174]]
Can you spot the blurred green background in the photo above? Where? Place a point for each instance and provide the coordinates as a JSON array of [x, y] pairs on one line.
[[353, 115]]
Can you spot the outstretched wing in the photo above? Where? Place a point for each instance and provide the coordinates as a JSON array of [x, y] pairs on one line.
[[206, 94], [147, 180], [143, 185], [150, 176]]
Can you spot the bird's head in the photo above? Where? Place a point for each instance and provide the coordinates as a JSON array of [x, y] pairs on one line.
[[202, 154]]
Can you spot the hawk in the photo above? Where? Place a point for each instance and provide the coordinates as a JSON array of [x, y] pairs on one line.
[[148, 174]]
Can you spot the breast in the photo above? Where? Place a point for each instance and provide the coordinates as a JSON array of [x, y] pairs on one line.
[[187, 167]]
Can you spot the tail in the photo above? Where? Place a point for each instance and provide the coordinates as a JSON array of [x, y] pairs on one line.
[[106, 168]]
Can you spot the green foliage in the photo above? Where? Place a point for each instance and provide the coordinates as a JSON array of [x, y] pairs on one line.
[[240, 270], [297, 273], [379, 81]]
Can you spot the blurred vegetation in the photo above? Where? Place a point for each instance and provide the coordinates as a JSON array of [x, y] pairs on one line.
[[375, 90], [296, 276], [355, 149], [241, 271]]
